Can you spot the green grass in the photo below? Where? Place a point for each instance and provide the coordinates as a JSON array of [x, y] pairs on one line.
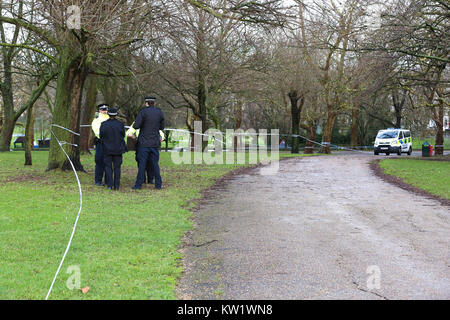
[[417, 143], [431, 176], [126, 243]]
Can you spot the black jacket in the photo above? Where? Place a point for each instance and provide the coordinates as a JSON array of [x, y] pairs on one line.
[[112, 135], [149, 120]]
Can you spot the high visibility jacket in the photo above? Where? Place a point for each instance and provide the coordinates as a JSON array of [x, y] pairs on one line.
[[132, 131], [97, 123]]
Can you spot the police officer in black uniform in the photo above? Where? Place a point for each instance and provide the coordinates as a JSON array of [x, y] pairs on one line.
[[132, 133], [149, 120], [112, 135], [99, 155]]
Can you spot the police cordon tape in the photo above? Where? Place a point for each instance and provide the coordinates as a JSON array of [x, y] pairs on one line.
[[267, 134], [81, 201], [280, 135], [323, 143]]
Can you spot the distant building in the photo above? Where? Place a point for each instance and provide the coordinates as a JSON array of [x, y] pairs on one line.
[[432, 124]]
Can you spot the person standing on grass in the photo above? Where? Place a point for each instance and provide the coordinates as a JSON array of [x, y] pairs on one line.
[[99, 156], [149, 120], [112, 135], [133, 134]]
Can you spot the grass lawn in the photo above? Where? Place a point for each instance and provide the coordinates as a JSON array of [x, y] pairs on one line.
[[417, 143], [432, 176], [126, 243]]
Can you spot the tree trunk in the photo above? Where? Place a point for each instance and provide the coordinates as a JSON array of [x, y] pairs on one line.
[[297, 102], [203, 70], [398, 119], [190, 126], [238, 123], [6, 135], [8, 109], [29, 136], [327, 132], [201, 96], [354, 139], [439, 149], [66, 113], [398, 106], [295, 120], [311, 135], [87, 114]]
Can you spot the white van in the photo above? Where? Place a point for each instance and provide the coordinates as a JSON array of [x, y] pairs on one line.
[[393, 141]]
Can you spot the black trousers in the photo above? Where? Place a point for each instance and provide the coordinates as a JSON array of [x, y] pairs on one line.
[[99, 163], [112, 170], [144, 155], [149, 171]]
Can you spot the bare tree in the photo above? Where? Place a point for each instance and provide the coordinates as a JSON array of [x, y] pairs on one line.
[[204, 63], [106, 27], [416, 31], [13, 41]]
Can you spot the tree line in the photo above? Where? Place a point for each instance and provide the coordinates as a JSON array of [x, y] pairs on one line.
[[295, 65]]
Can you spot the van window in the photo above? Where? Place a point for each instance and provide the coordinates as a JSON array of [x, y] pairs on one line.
[[407, 134], [400, 136], [387, 134]]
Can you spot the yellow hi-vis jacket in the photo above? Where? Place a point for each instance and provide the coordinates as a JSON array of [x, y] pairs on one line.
[[97, 123], [133, 132]]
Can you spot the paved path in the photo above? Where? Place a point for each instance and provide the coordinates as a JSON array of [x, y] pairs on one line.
[[312, 231]]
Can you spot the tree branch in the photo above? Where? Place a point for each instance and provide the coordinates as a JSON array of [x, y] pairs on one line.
[[35, 95], [24, 46], [41, 32]]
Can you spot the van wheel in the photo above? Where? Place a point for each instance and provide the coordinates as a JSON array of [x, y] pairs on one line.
[[375, 153], [409, 151], [399, 151], [387, 153]]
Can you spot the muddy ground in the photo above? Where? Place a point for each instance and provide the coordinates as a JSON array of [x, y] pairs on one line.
[[322, 228]]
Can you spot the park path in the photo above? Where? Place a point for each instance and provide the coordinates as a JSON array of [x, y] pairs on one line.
[[312, 231]]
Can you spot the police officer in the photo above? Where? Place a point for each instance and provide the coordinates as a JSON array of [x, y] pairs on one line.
[[149, 120], [133, 134], [112, 135], [99, 161]]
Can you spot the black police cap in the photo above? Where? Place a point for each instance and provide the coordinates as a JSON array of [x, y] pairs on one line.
[[112, 112], [150, 99]]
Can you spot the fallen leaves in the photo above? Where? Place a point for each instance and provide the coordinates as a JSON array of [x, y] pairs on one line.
[[85, 290]]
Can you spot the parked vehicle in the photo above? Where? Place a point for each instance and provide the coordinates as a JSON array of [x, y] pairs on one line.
[[393, 141]]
